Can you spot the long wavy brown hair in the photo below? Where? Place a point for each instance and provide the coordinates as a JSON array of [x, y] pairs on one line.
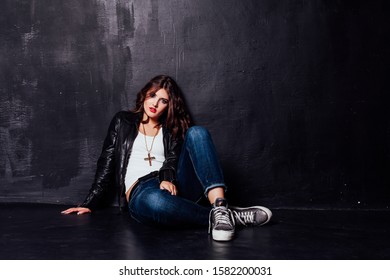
[[176, 118]]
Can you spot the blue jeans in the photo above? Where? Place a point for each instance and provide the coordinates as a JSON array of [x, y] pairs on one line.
[[198, 171]]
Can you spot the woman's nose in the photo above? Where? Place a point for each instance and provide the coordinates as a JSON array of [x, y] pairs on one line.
[[155, 103]]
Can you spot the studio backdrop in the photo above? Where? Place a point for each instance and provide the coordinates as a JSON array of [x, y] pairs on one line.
[[293, 92]]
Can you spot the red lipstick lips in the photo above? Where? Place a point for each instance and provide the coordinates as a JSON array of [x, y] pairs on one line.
[[153, 110]]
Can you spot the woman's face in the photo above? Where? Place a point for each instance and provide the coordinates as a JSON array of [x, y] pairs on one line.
[[156, 104]]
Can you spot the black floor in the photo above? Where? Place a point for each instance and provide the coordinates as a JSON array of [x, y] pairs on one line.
[[39, 231]]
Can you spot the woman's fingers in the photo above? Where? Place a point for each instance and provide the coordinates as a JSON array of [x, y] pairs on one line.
[[68, 211], [165, 185], [83, 211], [173, 190], [78, 210]]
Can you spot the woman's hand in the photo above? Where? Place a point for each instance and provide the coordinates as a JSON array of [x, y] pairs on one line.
[[165, 185], [78, 210]]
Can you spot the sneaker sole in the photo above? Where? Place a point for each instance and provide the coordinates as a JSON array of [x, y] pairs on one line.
[[265, 209], [222, 235]]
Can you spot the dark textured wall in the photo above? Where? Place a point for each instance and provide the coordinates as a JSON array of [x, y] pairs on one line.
[[294, 92]]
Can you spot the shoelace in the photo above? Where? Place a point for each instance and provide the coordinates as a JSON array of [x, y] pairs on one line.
[[223, 216], [245, 217]]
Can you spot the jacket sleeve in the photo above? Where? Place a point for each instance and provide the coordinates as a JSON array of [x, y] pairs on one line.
[[105, 170], [168, 170]]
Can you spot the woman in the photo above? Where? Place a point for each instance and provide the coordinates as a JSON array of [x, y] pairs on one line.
[[164, 167]]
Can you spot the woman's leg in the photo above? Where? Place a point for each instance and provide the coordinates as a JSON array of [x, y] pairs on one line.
[[199, 172], [151, 205]]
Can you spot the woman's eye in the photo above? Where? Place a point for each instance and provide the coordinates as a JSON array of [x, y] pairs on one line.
[[152, 94], [164, 101]]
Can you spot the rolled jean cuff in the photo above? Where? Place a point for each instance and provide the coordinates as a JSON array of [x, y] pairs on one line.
[[213, 186]]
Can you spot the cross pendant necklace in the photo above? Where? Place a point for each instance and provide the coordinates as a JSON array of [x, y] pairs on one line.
[[149, 158]]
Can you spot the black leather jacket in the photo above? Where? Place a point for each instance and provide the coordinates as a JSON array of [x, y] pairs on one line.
[[114, 158]]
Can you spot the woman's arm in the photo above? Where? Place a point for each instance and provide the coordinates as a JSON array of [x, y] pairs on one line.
[[105, 170], [104, 176]]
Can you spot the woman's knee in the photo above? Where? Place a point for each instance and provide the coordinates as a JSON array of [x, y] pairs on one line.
[[197, 133]]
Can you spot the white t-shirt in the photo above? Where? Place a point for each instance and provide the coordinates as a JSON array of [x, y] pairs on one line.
[[138, 166]]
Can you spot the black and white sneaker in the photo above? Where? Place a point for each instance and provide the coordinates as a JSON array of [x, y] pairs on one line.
[[251, 216], [221, 221]]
